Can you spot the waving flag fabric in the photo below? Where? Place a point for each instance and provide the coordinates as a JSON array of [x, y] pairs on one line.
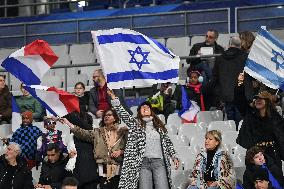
[[31, 62], [16, 115], [266, 60], [189, 108], [57, 102], [129, 58]]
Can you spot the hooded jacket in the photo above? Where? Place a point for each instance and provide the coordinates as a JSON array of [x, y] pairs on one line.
[[21, 178], [6, 104], [226, 70], [276, 171]]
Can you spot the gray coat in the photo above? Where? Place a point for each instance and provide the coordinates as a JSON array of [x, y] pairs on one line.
[[135, 149]]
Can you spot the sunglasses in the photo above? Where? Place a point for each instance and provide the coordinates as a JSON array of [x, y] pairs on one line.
[[51, 123]]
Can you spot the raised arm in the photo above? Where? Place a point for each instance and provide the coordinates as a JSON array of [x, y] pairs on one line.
[[128, 119], [82, 134]]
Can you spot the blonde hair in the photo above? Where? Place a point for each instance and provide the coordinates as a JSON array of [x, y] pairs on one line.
[[216, 134]]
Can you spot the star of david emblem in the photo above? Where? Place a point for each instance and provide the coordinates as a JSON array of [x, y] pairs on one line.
[[137, 55], [278, 58]]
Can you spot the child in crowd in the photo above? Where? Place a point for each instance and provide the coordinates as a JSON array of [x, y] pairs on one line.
[[52, 135], [193, 89]]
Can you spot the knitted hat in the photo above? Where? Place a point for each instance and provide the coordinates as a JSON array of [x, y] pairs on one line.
[[260, 174], [28, 114]]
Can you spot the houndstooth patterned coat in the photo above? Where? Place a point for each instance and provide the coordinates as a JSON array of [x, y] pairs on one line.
[[135, 148]]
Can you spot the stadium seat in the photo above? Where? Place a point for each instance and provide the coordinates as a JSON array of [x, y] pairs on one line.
[[172, 129], [52, 81], [197, 39], [162, 118], [62, 52], [229, 137], [5, 130], [82, 54], [197, 143], [96, 123], [4, 53], [40, 125], [179, 140], [209, 116], [201, 127], [179, 46], [73, 79], [162, 41], [15, 85], [134, 110], [223, 39], [174, 119], [188, 130], [36, 174], [222, 126]]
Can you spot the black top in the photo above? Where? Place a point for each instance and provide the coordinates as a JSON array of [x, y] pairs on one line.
[[209, 171], [9, 175]]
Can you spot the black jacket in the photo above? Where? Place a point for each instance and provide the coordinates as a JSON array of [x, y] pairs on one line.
[[94, 99], [256, 129], [248, 182], [226, 71], [218, 49], [54, 173], [20, 179]]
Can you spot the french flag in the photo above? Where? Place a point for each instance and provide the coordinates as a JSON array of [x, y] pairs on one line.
[[31, 62], [57, 102], [16, 115], [189, 108]]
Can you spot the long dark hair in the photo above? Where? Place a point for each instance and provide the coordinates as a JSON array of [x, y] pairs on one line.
[[157, 122], [269, 108], [115, 115]]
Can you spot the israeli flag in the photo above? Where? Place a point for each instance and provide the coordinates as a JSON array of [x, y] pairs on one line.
[[266, 60], [129, 58]]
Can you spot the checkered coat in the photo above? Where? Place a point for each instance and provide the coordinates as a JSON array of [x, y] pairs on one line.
[[135, 148]]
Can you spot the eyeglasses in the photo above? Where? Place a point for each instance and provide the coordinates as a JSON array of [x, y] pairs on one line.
[[51, 123]]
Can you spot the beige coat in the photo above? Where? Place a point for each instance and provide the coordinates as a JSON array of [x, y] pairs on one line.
[[97, 137]]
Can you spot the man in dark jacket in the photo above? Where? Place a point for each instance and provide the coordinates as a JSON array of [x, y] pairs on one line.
[[210, 41], [53, 168], [255, 158], [14, 173], [99, 101], [225, 76], [5, 101], [261, 179]]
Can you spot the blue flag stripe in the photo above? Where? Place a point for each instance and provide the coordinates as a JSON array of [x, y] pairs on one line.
[[131, 75], [264, 72], [33, 93], [271, 38], [162, 47], [120, 37], [15, 107], [20, 71], [185, 102]]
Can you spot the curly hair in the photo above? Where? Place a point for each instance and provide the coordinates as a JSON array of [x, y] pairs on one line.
[[251, 153], [247, 39], [115, 115]]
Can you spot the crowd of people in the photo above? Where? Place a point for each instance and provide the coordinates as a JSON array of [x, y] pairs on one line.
[[141, 154]]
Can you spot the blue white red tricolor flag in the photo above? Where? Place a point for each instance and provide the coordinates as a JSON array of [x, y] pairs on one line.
[[129, 58], [189, 108], [57, 102], [16, 115], [266, 60], [31, 62]]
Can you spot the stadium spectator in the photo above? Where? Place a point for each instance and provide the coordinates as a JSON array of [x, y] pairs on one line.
[[255, 158], [161, 100], [261, 179], [69, 183], [85, 157], [202, 64], [53, 168], [213, 167], [225, 77], [28, 103], [109, 142], [26, 136], [52, 135], [99, 100], [247, 38], [148, 150], [79, 91], [14, 172], [5, 101], [263, 127]]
